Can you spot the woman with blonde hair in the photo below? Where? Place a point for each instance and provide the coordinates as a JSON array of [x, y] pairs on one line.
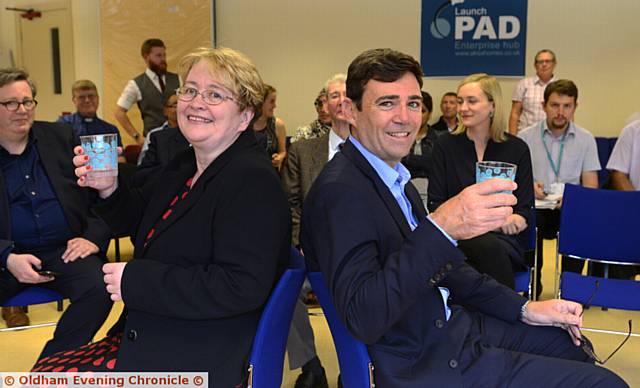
[[206, 253], [482, 136]]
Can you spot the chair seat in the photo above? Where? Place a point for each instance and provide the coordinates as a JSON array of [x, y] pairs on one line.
[[612, 293], [33, 295]]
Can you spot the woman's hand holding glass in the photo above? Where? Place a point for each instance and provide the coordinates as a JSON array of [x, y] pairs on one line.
[[105, 185]]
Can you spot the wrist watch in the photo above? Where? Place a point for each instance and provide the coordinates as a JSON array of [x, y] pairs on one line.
[[523, 309]]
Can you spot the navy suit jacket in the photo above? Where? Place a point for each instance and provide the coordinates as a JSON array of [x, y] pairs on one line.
[[384, 278]]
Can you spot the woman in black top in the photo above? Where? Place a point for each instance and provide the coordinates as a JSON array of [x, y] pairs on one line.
[[482, 136], [269, 130]]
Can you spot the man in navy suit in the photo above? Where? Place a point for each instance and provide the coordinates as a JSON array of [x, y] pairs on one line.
[[395, 274]]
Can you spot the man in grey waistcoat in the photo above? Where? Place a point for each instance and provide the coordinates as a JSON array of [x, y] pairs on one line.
[[148, 90]]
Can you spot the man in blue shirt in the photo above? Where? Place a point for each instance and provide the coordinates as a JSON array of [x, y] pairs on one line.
[[85, 121], [396, 276], [45, 218]]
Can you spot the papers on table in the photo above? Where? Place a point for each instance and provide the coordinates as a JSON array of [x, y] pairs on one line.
[[550, 202]]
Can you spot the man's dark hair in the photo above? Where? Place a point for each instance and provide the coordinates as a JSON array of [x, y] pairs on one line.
[[562, 86], [148, 44], [10, 75], [427, 101], [450, 94], [384, 65]]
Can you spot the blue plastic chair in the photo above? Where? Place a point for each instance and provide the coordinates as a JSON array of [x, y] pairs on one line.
[[30, 296], [599, 226], [356, 368], [605, 147], [267, 353]]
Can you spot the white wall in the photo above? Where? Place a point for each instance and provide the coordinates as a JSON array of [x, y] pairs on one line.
[[86, 36], [297, 44]]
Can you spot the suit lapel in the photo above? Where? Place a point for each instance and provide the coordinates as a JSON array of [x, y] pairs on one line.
[[319, 154], [417, 206], [351, 153]]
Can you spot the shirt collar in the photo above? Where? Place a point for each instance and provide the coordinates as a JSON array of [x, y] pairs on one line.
[[390, 176], [539, 81], [571, 129], [151, 74], [334, 141]]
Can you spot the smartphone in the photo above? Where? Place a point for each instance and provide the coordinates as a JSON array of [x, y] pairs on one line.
[[50, 274]]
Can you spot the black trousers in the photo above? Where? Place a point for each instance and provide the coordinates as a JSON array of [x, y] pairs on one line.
[[82, 283], [502, 354], [491, 255]]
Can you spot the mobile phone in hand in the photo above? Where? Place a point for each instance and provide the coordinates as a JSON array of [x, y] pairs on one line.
[[49, 274]]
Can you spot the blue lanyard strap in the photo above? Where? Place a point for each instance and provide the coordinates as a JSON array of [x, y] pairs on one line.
[[554, 167]]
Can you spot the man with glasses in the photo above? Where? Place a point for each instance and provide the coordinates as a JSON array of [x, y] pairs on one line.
[[319, 126], [526, 108], [86, 121], [46, 223]]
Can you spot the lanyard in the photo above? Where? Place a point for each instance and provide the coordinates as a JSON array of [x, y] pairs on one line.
[[556, 169]]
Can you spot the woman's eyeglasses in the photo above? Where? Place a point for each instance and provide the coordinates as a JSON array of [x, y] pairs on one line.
[[585, 343], [210, 97]]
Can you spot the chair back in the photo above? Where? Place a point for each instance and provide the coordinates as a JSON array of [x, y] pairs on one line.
[[604, 152], [356, 368], [267, 353], [600, 224]]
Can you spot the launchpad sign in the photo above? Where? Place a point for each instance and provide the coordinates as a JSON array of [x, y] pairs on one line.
[[461, 37]]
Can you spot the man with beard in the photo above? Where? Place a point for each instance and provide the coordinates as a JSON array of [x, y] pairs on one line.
[[561, 152], [149, 90]]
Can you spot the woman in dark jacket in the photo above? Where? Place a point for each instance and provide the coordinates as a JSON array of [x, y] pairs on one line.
[[482, 136], [207, 252]]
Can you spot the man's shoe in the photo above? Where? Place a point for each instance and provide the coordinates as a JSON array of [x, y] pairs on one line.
[[14, 316], [310, 380]]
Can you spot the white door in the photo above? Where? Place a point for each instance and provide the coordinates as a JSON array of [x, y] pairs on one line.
[[46, 52]]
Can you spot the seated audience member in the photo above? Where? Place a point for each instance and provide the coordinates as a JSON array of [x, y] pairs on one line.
[[624, 162], [305, 160], [482, 136], [526, 108], [269, 129], [163, 144], [86, 121], [448, 122], [169, 110], [319, 126], [207, 253], [391, 269], [562, 152], [46, 222], [419, 160]]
